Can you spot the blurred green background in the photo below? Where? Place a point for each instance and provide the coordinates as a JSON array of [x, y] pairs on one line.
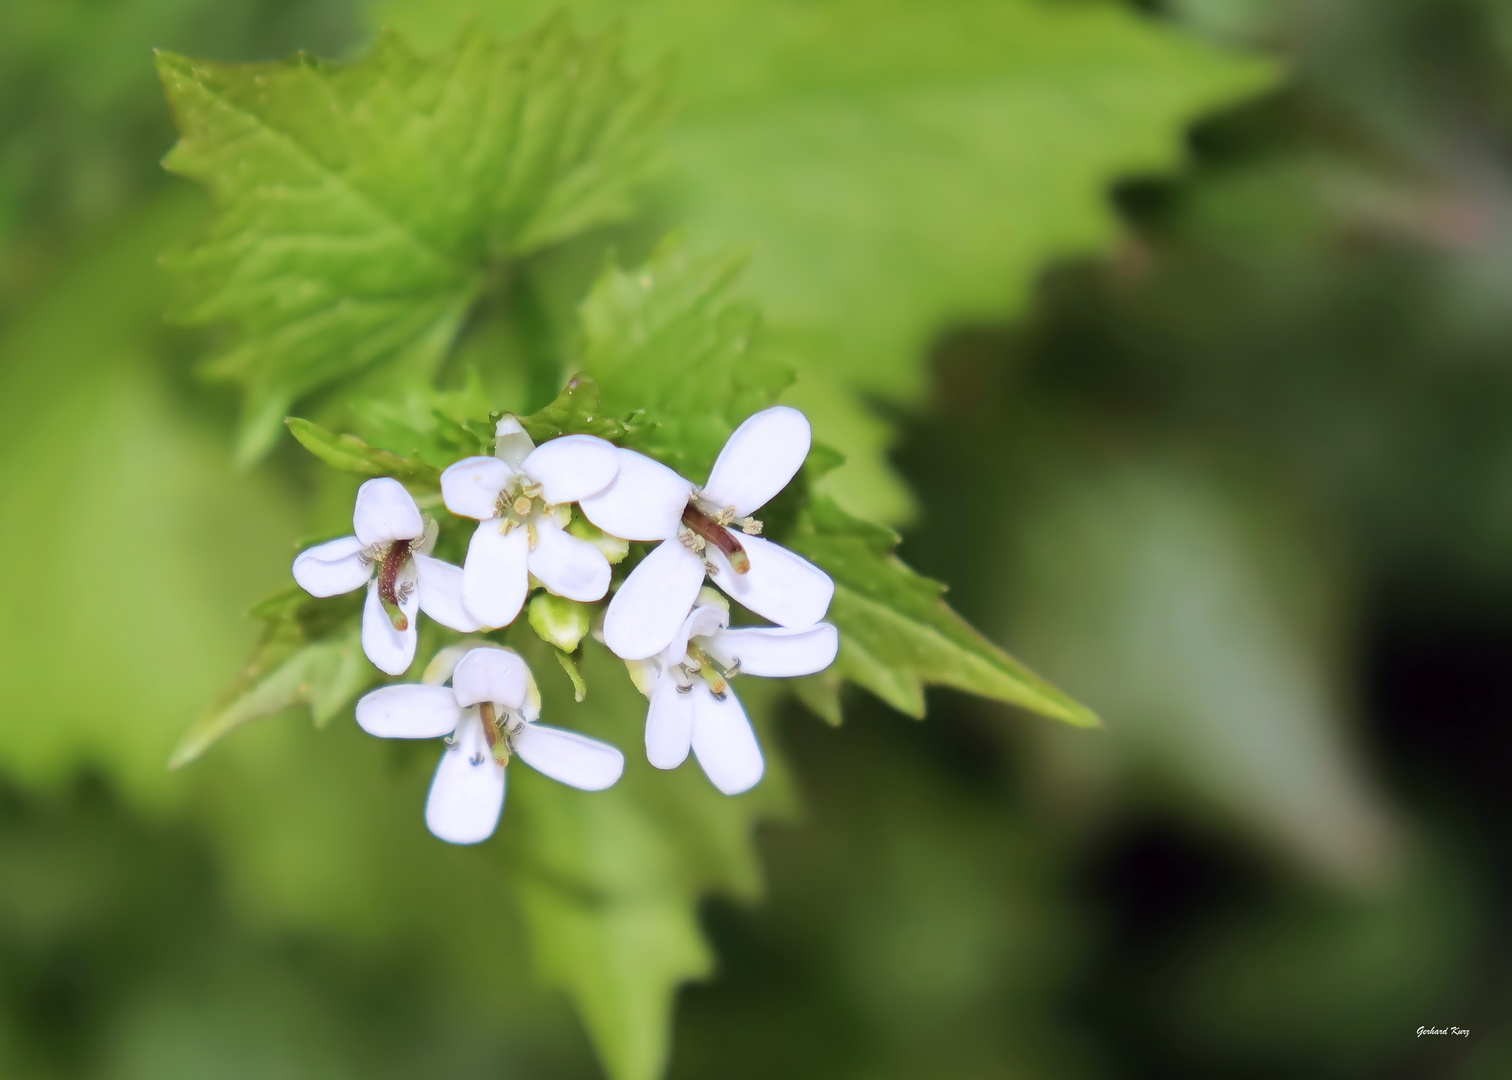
[[1243, 484]]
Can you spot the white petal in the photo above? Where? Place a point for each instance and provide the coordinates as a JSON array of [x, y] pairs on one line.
[[494, 577], [645, 502], [669, 724], [530, 709], [644, 673], [512, 444], [568, 566], [572, 467], [472, 486], [427, 540], [775, 652], [705, 619], [409, 711], [385, 512], [440, 585], [781, 586], [702, 621], [331, 568], [760, 458], [724, 742], [575, 760], [441, 666], [491, 674], [653, 602], [467, 794], [390, 650]]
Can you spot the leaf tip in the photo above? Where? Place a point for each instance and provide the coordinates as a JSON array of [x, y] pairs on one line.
[[1084, 718], [187, 751]]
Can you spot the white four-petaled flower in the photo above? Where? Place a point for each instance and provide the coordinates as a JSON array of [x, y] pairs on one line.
[[682, 659], [390, 554], [693, 705], [520, 498], [489, 711], [648, 501]]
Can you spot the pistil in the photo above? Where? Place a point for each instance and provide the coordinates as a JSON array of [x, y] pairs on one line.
[[498, 745], [388, 578], [711, 671], [716, 534]]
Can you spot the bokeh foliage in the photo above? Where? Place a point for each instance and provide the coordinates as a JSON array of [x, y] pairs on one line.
[[1203, 464], [341, 266]]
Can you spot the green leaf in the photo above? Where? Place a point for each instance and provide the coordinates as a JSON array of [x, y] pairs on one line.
[[350, 454], [157, 609], [361, 208], [903, 166], [430, 425], [666, 338], [611, 882], [575, 411], [820, 694], [897, 634], [288, 668], [1200, 613]]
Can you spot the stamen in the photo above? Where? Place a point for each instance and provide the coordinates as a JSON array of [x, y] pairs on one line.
[[388, 575], [706, 527]]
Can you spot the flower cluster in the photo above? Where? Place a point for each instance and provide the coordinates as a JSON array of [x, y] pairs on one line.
[[672, 631]]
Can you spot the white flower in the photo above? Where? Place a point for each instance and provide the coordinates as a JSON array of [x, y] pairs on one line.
[[488, 712], [520, 496], [391, 556], [693, 704], [648, 501]]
